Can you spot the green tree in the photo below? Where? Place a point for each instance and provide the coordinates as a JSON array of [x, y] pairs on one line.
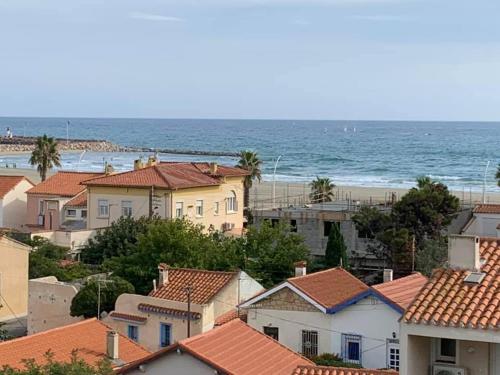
[[86, 300], [426, 209], [76, 366], [497, 175], [45, 155], [4, 334], [433, 254], [321, 190], [336, 250], [117, 240], [251, 162], [271, 252], [370, 221]]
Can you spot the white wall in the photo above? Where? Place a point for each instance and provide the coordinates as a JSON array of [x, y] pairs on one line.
[[14, 206], [484, 225]]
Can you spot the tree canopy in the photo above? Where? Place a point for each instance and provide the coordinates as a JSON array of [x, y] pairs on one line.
[[321, 190], [250, 161], [45, 155], [336, 250]]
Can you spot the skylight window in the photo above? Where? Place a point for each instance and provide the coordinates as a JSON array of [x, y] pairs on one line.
[[474, 277]]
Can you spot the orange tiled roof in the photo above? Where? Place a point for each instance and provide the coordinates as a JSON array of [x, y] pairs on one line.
[[487, 209], [63, 184], [239, 349], [205, 284], [88, 337], [324, 370], [79, 201], [231, 315], [7, 183], [169, 176], [330, 287], [130, 317], [146, 307], [447, 300], [403, 290]]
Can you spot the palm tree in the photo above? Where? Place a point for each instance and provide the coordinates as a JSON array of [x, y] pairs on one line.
[[321, 190], [45, 155], [497, 176], [250, 161]]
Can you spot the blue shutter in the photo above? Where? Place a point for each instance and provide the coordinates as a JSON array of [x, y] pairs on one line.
[[164, 335]]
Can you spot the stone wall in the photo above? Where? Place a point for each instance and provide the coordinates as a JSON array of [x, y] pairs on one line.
[[27, 144], [285, 299]]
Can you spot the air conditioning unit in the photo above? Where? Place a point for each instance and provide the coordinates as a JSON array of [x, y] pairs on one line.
[[448, 370]]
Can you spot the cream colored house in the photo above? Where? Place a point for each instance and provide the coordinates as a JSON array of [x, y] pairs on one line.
[[49, 304], [206, 194], [160, 319], [452, 326], [13, 201], [14, 260]]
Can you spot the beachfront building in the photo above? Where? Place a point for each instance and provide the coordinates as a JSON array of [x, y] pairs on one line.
[[452, 325], [233, 348], [485, 221], [49, 303], [92, 341], [13, 279], [204, 193], [314, 223], [161, 318], [13, 201], [332, 311]]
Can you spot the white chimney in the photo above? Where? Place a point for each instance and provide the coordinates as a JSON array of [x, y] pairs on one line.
[[112, 345], [300, 268], [162, 274], [213, 168], [463, 252], [388, 275]]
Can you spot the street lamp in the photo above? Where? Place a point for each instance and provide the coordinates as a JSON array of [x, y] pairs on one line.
[[274, 180], [484, 181]]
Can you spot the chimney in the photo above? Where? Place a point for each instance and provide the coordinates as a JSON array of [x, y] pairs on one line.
[[138, 164], [112, 345], [213, 168], [388, 275], [463, 252], [300, 268], [152, 160], [162, 274], [108, 169]]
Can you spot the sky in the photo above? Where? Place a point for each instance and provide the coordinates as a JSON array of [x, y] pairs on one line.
[[276, 59]]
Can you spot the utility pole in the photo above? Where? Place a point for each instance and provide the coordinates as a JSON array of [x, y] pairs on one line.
[[188, 291], [67, 132], [413, 254], [99, 281]]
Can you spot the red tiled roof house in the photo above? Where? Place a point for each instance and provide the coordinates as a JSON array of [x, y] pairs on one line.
[[13, 201], [332, 311], [161, 318], [204, 193], [452, 326]]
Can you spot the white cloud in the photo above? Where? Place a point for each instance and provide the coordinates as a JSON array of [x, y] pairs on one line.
[[154, 17]]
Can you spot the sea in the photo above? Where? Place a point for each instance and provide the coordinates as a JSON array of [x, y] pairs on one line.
[[463, 155]]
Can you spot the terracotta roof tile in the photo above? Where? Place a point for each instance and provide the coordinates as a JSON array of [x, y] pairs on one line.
[[169, 176], [487, 209], [129, 317], [88, 337], [324, 370], [239, 349], [447, 300], [79, 201], [403, 290], [205, 285], [167, 311], [7, 183], [330, 287], [63, 184], [231, 315]]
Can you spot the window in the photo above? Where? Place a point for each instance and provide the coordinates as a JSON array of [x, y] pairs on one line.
[[103, 207], [293, 225], [84, 213], [310, 343], [133, 333], [199, 208], [216, 208], [272, 332], [231, 204], [327, 227], [446, 350], [179, 210], [71, 213], [351, 348], [41, 207], [393, 354], [165, 335], [127, 208]]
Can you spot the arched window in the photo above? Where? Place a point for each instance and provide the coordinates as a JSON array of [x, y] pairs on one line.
[[231, 203]]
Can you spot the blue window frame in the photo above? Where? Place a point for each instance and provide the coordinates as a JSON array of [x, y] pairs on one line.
[[165, 335], [133, 333], [351, 348]]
